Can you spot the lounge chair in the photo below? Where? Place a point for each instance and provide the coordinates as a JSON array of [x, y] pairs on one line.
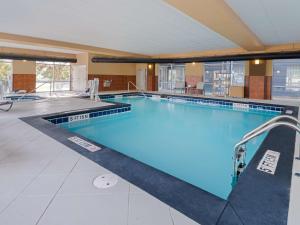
[[200, 87], [179, 86], [6, 103]]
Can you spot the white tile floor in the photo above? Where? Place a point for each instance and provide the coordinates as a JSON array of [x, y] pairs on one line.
[[44, 182]]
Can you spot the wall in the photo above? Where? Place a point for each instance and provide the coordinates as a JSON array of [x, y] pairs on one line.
[[24, 75], [152, 78], [118, 73], [260, 79], [193, 73]]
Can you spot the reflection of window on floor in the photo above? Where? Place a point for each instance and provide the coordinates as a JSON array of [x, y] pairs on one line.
[[53, 76], [286, 78], [6, 70], [219, 76]]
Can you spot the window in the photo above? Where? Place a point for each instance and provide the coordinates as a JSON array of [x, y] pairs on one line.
[[237, 73], [171, 78], [6, 70], [219, 76], [53, 76], [286, 78]]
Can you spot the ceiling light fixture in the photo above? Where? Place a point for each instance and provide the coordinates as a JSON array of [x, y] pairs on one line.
[[256, 61], [150, 66]]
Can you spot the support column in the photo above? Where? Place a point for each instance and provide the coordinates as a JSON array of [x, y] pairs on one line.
[[259, 81]]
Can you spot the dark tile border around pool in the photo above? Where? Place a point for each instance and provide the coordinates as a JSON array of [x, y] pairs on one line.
[[258, 198], [205, 100]]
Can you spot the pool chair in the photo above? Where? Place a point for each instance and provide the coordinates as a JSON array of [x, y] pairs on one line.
[[5, 105], [200, 88], [179, 86]]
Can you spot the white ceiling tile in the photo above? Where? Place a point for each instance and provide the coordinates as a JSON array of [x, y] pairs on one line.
[[140, 26], [273, 21]]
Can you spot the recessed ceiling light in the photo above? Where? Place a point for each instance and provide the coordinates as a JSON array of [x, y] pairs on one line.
[[256, 61]]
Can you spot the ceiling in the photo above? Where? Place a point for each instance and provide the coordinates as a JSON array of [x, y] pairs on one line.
[[273, 21], [148, 27], [138, 26]]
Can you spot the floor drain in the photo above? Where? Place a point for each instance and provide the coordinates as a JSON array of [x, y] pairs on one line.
[[105, 181]]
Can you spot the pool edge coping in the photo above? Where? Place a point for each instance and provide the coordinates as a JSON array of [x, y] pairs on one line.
[[32, 120]]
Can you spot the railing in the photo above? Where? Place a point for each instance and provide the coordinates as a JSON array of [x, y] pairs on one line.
[[240, 150], [30, 92], [275, 119], [128, 86]]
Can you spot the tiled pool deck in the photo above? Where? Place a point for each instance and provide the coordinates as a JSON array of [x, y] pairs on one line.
[[45, 182]]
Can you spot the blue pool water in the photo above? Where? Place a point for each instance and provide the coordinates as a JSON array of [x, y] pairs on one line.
[[191, 142]]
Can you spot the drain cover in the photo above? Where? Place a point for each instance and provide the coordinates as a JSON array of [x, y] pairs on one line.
[[105, 181], [289, 112]]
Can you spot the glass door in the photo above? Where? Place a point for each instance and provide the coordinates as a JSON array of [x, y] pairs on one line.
[[52, 76], [6, 75], [171, 78]]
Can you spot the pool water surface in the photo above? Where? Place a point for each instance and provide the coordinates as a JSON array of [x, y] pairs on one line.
[[191, 142]]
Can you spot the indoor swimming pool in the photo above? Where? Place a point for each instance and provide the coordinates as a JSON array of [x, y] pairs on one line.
[[189, 141]]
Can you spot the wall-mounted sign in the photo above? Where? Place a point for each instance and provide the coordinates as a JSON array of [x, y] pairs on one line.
[[85, 144], [79, 117], [269, 161]]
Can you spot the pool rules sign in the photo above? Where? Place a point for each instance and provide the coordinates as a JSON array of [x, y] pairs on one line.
[[269, 161]]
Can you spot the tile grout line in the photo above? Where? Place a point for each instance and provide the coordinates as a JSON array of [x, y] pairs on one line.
[[29, 183], [172, 219], [55, 194], [127, 222]]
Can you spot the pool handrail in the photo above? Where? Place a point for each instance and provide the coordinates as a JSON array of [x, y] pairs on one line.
[[269, 125], [128, 86], [30, 92], [275, 119], [10, 103]]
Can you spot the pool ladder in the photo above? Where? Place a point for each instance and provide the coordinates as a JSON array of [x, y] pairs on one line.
[[128, 86], [240, 150]]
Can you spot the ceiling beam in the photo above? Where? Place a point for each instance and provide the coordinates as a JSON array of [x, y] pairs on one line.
[[20, 39], [219, 17], [219, 58], [30, 52], [36, 58]]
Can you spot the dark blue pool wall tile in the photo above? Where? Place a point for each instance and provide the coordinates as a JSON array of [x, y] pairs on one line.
[[205, 101], [58, 119]]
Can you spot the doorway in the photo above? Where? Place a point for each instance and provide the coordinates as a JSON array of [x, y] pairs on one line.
[[79, 78], [142, 79], [171, 78]]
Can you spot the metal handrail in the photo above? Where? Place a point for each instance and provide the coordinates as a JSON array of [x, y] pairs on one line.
[[128, 86], [258, 132], [273, 120], [31, 91]]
